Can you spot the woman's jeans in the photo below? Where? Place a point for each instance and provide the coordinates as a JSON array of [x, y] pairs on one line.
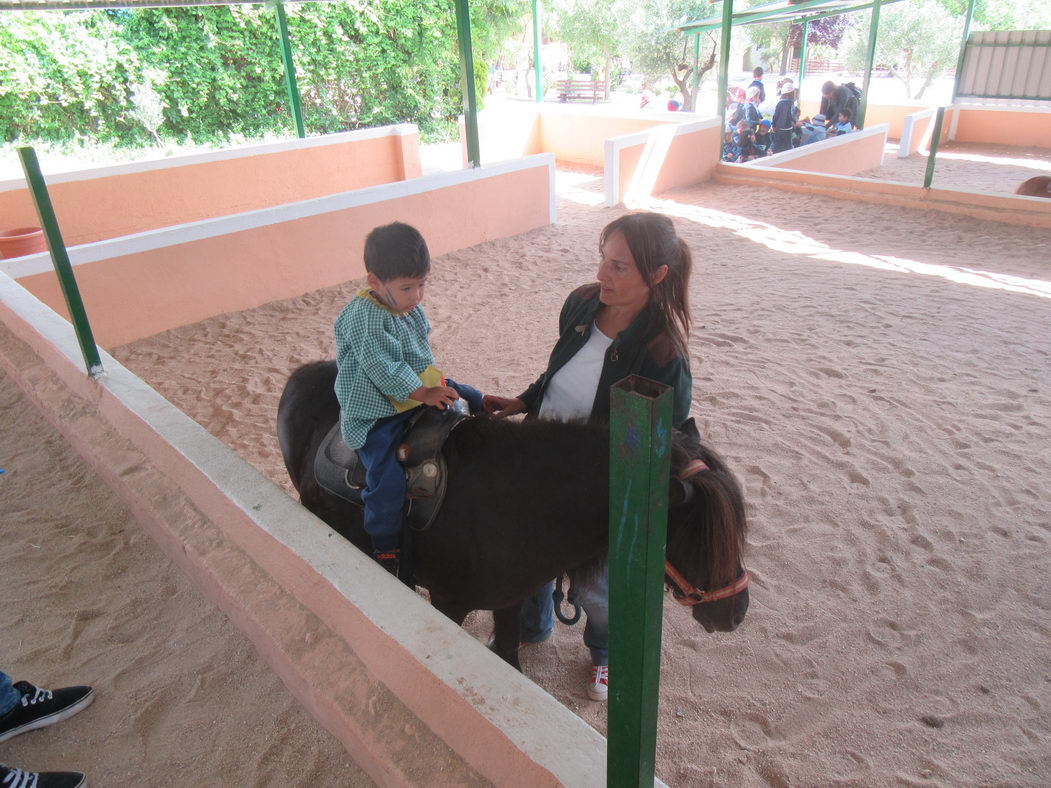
[[9, 696], [537, 617]]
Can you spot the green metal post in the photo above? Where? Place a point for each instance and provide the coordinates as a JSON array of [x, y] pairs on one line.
[[936, 138], [294, 103], [963, 48], [639, 453], [470, 100], [802, 60], [60, 260], [725, 33], [538, 70], [870, 59]]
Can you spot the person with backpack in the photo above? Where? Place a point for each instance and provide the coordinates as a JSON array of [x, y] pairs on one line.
[[835, 99]]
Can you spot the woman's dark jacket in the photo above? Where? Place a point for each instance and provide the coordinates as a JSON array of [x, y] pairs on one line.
[[640, 349]]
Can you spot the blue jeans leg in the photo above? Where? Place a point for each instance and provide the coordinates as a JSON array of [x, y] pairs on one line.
[[538, 616], [594, 598], [384, 494], [9, 696], [469, 394]]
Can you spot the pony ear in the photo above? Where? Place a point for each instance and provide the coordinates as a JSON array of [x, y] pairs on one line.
[[689, 429]]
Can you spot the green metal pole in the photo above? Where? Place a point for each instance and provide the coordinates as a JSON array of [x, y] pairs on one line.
[[963, 49], [639, 453], [470, 100], [802, 60], [538, 71], [60, 260], [870, 58], [290, 69], [725, 33], [936, 138]]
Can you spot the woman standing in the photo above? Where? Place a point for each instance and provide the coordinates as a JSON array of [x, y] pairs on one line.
[[634, 320]]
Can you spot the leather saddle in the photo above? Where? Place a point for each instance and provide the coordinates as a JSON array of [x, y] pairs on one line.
[[339, 472]]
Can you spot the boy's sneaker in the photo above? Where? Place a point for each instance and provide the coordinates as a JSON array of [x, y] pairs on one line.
[[388, 559], [39, 708], [16, 778], [598, 683]]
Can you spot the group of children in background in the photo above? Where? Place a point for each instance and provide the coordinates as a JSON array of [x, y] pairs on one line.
[[749, 135]]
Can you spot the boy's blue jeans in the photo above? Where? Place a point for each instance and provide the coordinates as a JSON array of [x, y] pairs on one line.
[[9, 696], [384, 494], [537, 617]]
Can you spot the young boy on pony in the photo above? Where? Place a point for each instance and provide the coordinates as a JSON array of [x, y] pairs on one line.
[[385, 371]]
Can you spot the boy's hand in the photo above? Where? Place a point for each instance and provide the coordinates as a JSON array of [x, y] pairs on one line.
[[502, 407], [439, 397]]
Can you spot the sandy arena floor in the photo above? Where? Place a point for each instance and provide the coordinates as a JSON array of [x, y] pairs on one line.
[[969, 166], [881, 382], [182, 698]]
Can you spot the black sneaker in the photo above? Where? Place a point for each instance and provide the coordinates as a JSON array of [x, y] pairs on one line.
[[388, 559], [39, 708], [16, 778]]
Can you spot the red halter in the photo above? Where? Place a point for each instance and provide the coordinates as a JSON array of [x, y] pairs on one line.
[[681, 588]]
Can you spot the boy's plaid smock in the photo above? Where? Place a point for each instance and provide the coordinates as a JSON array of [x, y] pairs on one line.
[[380, 355]]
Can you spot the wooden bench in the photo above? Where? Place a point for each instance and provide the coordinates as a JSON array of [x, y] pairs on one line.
[[581, 90]]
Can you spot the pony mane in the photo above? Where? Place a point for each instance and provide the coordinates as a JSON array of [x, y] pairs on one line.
[[714, 525]]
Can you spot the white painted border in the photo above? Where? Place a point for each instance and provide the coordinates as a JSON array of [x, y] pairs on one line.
[[532, 720], [613, 146], [224, 225], [806, 150], [907, 126], [398, 130]]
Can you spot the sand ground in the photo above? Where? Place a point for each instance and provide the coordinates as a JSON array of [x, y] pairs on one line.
[[881, 382], [966, 165], [182, 699]]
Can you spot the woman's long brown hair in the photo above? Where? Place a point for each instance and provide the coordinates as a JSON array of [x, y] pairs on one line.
[[653, 242]]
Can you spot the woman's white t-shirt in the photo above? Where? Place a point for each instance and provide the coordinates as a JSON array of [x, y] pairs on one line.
[[571, 392]]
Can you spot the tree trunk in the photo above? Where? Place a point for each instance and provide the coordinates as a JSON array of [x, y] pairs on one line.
[[609, 66], [786, 52]]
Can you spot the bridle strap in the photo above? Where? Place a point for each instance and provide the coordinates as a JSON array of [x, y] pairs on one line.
[[692, 468], [690, 596]]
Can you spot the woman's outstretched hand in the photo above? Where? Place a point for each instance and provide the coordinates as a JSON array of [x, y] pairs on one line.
[[502, 407]]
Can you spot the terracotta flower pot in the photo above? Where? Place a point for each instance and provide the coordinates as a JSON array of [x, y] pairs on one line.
[[21, 241]]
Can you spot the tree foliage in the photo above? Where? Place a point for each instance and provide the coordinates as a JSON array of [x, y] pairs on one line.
[[207, 73], [918, 38]]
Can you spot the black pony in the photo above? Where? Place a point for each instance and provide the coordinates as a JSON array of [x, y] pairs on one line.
[[527, 501]]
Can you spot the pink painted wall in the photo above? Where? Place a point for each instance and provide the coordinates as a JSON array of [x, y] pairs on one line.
[[1021, 128], [123, 200], [845, 155], [572, 134], [137, 295], [687, 158], [580, 138]]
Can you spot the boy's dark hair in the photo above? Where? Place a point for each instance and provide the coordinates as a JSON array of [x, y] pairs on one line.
[[395, 250], [757, 72], [846, 113]]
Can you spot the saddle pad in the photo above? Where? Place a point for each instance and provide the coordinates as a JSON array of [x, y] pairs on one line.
[[337, 469]]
